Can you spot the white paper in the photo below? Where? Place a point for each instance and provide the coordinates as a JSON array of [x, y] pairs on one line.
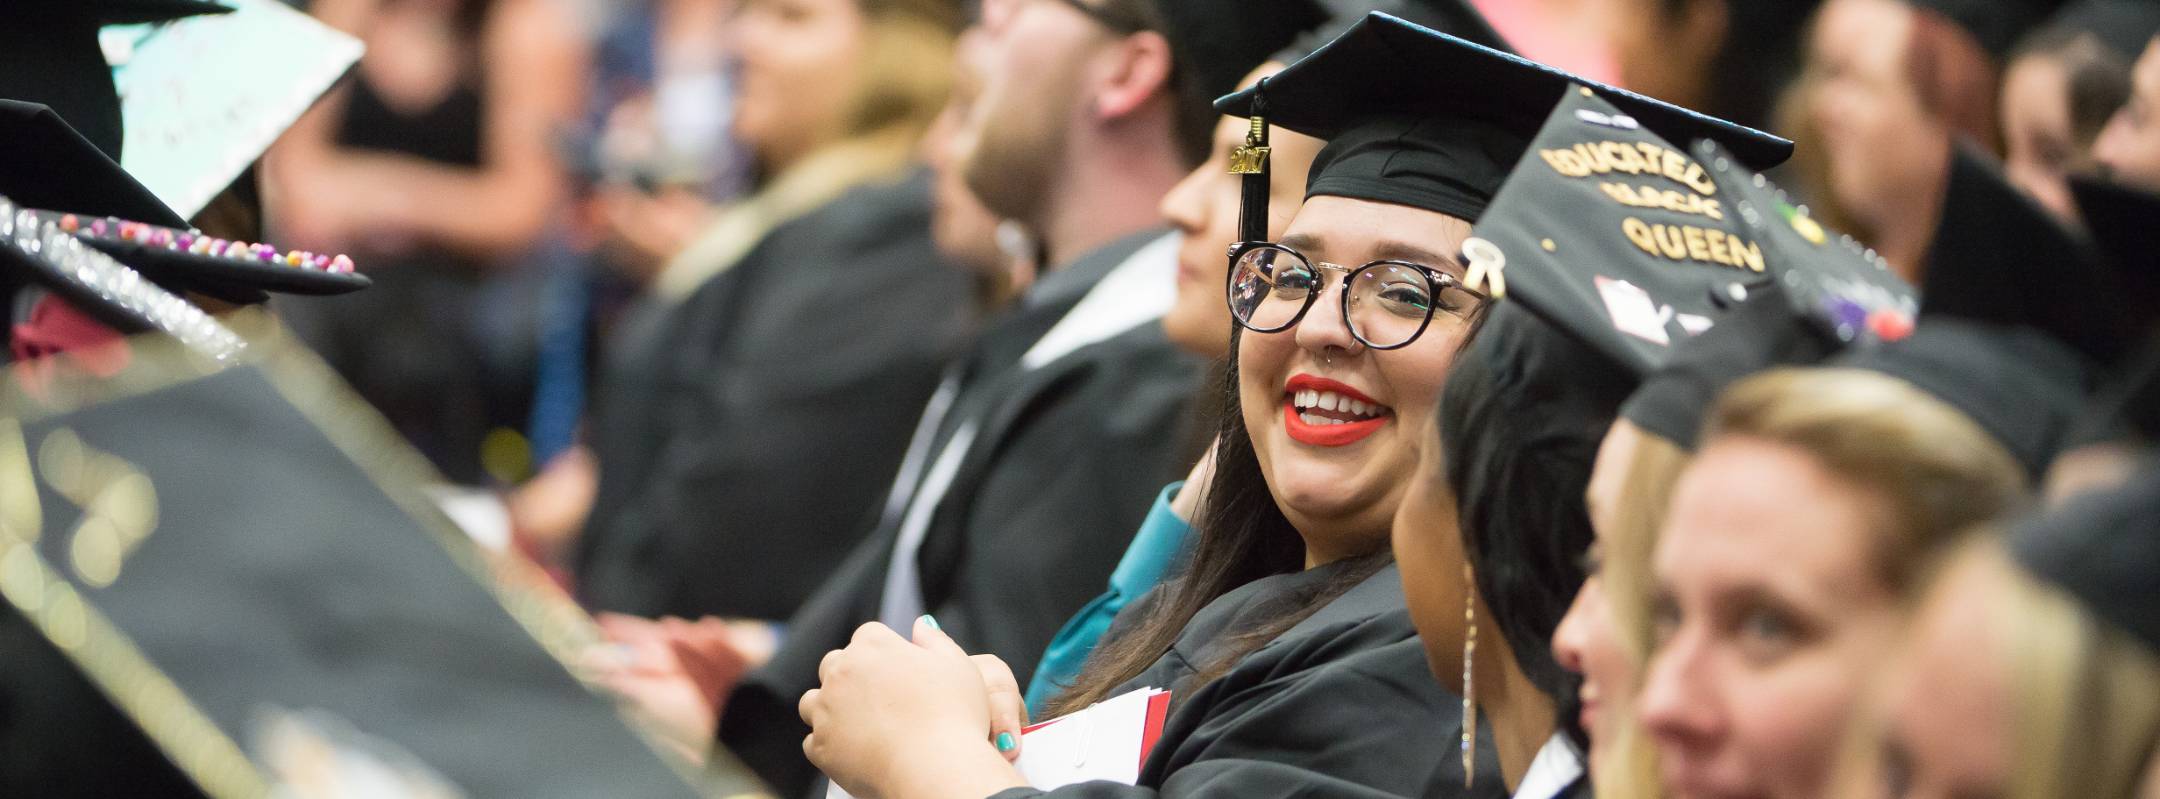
[[202, 97], [1100, 743]]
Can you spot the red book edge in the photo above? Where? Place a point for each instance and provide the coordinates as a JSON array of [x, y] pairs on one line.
[[1158, 711]]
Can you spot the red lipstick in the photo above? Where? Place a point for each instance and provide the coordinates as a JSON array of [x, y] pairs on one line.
[[1340, 434]]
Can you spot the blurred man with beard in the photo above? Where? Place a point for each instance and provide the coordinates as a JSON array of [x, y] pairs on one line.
[[1038, 455]]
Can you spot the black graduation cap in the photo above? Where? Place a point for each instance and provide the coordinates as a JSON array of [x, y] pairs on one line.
[[1999, 257], [2018, 314], [49, 54], [1761, 333], [107, 290], [1418, 117], [1454, 17], [2024, 387], [244, 559], [45, 162], [46, 166], [2103, 550], [1995, 25], [2124, 223], [2125, 26]]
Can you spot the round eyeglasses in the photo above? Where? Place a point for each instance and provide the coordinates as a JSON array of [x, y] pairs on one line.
[[1387, 304]]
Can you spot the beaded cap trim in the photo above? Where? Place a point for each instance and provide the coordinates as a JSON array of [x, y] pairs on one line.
[[92, 273]]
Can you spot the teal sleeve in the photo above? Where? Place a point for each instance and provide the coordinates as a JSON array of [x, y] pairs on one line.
[[1153, 548]]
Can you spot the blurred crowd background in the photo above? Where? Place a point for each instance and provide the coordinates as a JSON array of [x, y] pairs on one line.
[[547, 191]]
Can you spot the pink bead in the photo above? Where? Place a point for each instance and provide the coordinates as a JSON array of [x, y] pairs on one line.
[[341, 264], [69, 223], [97, 227]]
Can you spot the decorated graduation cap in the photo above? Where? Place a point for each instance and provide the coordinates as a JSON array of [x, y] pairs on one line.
[[1418, 117], [109, 292], [293, 614], [2101, 550], [49, 172], [49, 54], [1824, 293]]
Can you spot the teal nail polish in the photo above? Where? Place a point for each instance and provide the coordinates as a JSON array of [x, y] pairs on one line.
[[1006, 742], [930, 622]]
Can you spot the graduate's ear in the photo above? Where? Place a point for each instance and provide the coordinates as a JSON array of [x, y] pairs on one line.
[[1134, 71]]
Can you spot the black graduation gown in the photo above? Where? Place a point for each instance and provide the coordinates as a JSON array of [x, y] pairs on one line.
[[1341, 705], [742, 456], [1069, 455], [60, 736]]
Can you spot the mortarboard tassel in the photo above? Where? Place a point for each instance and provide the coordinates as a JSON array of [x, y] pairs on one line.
[[1251, 161]]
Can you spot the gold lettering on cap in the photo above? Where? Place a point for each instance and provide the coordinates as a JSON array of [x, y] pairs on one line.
[[1693, 243], [1565, 162], [1697, 247]]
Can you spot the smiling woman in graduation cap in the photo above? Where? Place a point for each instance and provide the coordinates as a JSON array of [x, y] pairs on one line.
[[1295, 667]]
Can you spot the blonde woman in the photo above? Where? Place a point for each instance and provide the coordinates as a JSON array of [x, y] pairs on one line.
[[1789, 556], [2030, 673], [1606, 636]]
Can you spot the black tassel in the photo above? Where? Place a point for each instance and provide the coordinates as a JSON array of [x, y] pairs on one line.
[[1251, 161]]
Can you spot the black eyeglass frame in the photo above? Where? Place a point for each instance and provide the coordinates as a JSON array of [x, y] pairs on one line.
[[1435, 282]]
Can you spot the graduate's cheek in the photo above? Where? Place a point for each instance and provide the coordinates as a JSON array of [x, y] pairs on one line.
[[1264, 364], [1949, 696], [1428, 554]]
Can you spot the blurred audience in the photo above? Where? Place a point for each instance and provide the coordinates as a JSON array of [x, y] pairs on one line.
[[1726, 58], [732, 478], [436, 166], [1890, 88], [2129, 147], [2062, 85]]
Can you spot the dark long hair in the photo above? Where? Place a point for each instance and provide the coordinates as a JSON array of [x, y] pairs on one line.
[[1241, 536], [1522, 417]]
